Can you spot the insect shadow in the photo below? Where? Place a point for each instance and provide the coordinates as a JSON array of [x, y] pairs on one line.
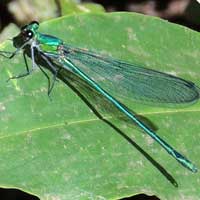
[[98, 104]]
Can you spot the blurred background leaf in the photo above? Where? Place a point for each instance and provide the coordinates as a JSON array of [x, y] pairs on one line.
[[71, 7], [22, 12]]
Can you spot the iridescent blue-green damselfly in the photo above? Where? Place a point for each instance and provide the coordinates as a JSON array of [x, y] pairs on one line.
[[94, 74]]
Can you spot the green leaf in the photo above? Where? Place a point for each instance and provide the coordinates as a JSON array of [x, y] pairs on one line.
[[71, 7], [60, 150]]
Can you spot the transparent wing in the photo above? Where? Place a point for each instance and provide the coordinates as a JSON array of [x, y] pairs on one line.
[[95, 100], [124, 80], [81, 83]]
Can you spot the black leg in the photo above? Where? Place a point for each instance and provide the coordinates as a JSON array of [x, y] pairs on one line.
[[48, 79], [53, 82], [28, 72], [53, 70], [8, 54]]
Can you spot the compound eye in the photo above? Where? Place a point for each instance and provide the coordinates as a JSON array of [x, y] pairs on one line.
[[29, 34]]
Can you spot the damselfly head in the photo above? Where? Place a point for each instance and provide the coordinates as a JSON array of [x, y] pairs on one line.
[[26, 34]]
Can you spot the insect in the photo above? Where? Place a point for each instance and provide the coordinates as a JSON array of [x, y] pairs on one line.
[[95, 75]]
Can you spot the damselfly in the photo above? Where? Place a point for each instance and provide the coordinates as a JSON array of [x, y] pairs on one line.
[[93, 75]]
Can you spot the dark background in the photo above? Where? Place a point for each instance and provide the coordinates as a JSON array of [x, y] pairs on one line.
[[184, 12]]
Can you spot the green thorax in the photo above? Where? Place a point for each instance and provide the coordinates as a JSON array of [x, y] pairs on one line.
[[48, 43]]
